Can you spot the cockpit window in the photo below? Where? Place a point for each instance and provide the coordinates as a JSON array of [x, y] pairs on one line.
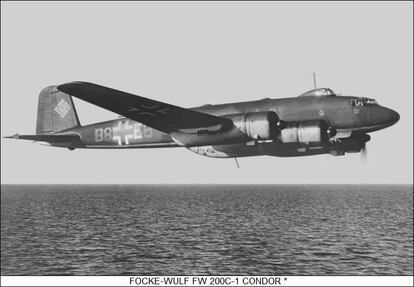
[[362, 102], [322, 92], [371, 101]]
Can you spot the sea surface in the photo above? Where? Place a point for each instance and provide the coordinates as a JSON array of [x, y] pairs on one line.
[[207, 230]]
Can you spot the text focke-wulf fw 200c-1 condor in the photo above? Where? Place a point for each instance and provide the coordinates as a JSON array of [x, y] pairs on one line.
[[316, 122]]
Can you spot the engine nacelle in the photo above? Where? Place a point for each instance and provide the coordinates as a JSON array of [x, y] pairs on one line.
[[244, 128], [307, 133], [257, 126]]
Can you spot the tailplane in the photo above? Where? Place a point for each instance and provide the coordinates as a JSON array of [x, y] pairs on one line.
[[70, 140], [55, 112], [56, 115]]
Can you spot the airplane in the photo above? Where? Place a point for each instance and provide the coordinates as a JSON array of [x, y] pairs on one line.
[[316, 122]]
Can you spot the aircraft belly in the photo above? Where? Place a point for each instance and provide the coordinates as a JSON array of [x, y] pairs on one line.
[[270, 149], [347, 145]]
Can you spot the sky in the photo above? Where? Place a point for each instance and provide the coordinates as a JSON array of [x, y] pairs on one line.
[[194, 53]]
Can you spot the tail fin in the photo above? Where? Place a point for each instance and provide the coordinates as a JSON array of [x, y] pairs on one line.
[[55, 112]]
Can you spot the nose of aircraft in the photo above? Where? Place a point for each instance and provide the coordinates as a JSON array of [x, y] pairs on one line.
[[391, 116], [378, 117], [386, 117]]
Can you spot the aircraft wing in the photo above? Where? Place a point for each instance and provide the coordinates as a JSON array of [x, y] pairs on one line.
[[158, 115]]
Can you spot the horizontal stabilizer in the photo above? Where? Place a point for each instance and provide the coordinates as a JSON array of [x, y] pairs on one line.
[[71, 139]]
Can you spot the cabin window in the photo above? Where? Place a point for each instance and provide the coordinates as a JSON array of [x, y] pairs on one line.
[[362, 102]]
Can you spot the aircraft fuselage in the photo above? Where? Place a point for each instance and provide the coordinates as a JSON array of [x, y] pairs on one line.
[[349, 115]]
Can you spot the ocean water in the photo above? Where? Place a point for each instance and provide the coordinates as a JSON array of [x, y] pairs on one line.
[[207, 230]]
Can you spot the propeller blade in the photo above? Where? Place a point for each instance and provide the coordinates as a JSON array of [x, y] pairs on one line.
[[364, 153]]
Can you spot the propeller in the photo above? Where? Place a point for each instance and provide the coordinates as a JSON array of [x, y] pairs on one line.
[[364, 153]]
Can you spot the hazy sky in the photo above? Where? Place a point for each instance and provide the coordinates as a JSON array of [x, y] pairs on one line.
[[190, 54]]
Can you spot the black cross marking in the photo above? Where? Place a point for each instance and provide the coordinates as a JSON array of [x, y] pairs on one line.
[[147, 110]]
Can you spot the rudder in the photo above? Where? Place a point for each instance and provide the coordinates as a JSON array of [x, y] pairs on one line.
[[55, 112]]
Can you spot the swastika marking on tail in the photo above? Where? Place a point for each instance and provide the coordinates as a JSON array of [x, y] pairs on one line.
[[62, 108]]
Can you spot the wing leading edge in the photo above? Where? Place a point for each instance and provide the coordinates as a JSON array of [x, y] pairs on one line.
[[158, 115]]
